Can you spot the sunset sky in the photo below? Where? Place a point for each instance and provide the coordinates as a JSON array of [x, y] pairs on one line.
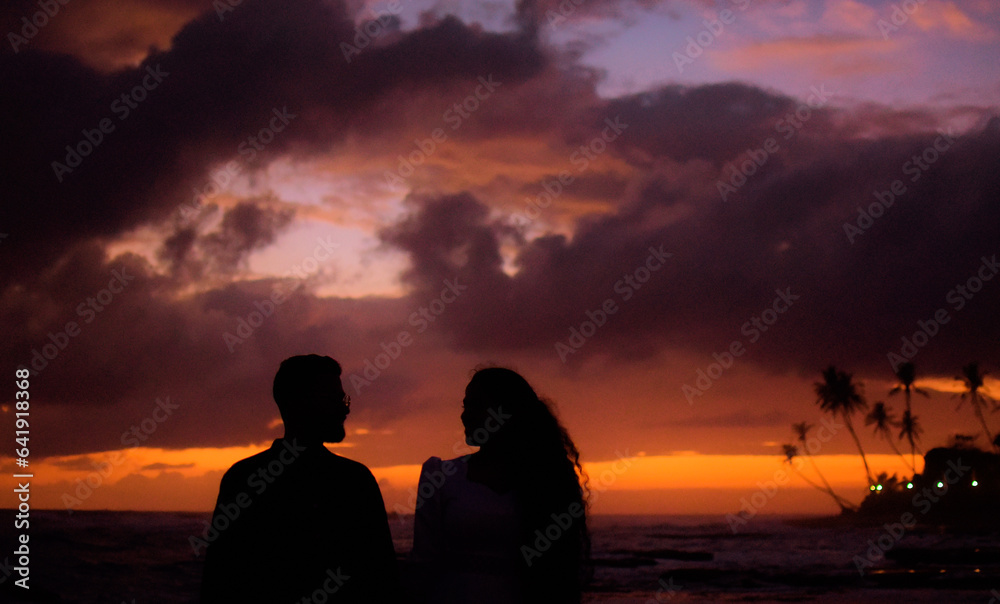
[[196, 191]]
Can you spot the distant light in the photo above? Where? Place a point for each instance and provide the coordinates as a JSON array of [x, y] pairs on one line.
[[940, 485], [909, 485], [878, 488], [975, 483]]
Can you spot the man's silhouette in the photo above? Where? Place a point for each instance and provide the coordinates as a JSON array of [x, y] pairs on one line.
[[296, 523]]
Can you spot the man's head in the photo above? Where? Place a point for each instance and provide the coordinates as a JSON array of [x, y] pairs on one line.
[[311, 398]]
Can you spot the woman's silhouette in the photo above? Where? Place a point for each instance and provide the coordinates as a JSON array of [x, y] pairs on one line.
[[508, 523]]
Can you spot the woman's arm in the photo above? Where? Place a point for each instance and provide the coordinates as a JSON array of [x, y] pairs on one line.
[[428, 527]]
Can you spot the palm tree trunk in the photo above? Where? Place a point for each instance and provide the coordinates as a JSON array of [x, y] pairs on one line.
[[913, 445], [843, 503], [850, 428], [813, 463], [826, 483], [913, 449], [888, 438], [982, 420]]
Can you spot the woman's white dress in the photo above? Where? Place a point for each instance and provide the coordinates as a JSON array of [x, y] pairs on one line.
[[466, 537]]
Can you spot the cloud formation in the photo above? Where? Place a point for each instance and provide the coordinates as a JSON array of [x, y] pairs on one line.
[[632, 183], [808, 220]]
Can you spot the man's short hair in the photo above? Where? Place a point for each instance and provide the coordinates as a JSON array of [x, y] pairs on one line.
[[300, 376]]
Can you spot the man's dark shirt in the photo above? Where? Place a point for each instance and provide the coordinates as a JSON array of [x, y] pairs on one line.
[[305, 520]]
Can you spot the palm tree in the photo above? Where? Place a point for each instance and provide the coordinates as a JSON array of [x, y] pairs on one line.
[[910, 428], [838, 393], [907, 374], [881, 415], [973, 380], [791, 451], [801, 430]]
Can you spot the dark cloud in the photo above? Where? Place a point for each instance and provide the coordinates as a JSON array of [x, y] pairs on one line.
[[219, 85], [714, 122], [246, 227], [166, 466], [782, 231]]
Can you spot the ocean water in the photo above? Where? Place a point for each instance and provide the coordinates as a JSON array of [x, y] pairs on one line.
[[140, 557]]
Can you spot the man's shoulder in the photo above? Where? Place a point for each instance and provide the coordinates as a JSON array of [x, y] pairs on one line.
[[316, 461], [345, 469], [286, 453], [254, 460], [349, 466], [249, 465]]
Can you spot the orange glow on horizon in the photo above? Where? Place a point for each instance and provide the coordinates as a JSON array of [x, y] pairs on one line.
[[187, 479]]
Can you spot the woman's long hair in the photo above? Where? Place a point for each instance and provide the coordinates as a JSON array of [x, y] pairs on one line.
[[549, 483]]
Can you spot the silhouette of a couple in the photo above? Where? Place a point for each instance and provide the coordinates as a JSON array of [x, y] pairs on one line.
[[506, 524]]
